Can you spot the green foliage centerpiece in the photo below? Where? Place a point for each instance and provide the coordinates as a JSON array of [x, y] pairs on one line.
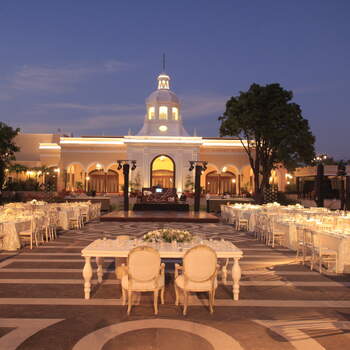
[[168, 235]]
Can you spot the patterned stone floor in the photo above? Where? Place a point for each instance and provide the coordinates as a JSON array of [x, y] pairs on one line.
[[283, 305]]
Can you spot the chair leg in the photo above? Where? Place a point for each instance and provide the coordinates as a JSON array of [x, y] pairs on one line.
[[211, 302], [155, 301], [129, 301], [124, 296], [336, 263], [176, 295], [162, 295], [185, 302]]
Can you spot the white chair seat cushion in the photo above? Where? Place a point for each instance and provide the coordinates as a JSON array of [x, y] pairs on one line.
[[326, 251], [195, 286], [142, 286], [25, 233]]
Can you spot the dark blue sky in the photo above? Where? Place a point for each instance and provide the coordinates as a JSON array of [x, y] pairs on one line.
[[86, 66]]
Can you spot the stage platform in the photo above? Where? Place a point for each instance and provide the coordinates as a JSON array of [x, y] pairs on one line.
[[160, 216]]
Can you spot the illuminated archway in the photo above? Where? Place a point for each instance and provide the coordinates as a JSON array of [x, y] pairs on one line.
[[220, 183], [101, 181], [163, 171]]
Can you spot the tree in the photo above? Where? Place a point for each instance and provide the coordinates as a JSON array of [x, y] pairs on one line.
[[7, 148], [271, 129], [17, 168]]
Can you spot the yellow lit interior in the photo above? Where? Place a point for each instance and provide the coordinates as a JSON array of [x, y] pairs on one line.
[[175, 113], [151, 113], [163, 112], [163, 163]]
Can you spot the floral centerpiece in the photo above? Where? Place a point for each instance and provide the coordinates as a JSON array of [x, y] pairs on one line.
[[168, 235]]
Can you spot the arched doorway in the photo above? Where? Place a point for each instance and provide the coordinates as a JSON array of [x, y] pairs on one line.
[[104, 182], [220, 183], [163, 172]]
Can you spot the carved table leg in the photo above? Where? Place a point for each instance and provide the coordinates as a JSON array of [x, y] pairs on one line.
[[224, 273], [87, 274], [236, 276], [99, 263]]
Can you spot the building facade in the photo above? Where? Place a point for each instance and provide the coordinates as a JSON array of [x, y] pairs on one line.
[[162, 150]]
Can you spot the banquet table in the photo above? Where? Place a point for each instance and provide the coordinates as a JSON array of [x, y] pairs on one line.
[[103, 248]]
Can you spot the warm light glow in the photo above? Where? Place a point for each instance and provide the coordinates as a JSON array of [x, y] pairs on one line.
[[289, 176], [233, 181], [224, 169], [163, 163], [163, 81], [151, 113], [175, 113], [90, 141], [161, 139], [49, 146], [223, 143], [163, 128], [87, 178], [163, 112], [57, 170], [98, 166]]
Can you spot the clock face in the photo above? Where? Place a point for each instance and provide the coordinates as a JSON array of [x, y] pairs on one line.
[[163, 128]]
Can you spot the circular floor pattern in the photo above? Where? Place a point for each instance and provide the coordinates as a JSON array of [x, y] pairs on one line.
[[216, 338]]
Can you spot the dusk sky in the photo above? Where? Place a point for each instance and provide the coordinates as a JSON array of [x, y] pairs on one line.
[[86, 67]]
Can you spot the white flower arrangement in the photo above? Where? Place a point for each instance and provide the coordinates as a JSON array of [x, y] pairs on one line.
[[168, 235]]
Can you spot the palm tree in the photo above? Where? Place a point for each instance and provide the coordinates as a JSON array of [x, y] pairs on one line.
[[17, 168]]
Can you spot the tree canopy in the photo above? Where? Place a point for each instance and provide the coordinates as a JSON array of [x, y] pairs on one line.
[[7, 148], [271, 129]]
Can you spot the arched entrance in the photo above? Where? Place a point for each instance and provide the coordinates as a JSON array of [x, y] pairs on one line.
[[163, 172], [220, 183], [100, 181]]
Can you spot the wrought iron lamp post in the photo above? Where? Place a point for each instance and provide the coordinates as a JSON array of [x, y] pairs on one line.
[[342, 173], [319, 195], [199, 166], [125, 165]]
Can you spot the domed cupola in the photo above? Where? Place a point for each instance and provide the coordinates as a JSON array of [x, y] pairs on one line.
[[163, 117]]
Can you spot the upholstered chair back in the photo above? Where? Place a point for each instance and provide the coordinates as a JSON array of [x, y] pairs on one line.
[[143, 264], [199, 263]]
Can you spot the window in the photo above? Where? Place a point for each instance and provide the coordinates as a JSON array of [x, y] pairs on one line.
[[163, 112], [175, 112], [151, 113]]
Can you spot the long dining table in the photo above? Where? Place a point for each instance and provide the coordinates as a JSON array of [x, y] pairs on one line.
[[113, 248]]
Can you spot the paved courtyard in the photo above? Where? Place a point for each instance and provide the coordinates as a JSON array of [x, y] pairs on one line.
[[283, 305]]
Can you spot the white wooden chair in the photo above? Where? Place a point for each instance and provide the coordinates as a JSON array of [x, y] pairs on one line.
[[275, 233], [323, 251], [301, 248], [144, 273], [199, 273], [30, 233], [224, 213]]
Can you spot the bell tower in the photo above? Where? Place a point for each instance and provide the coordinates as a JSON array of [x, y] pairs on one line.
[[163, 111]]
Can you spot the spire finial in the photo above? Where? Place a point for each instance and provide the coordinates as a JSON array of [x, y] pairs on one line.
[[164, 62]]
